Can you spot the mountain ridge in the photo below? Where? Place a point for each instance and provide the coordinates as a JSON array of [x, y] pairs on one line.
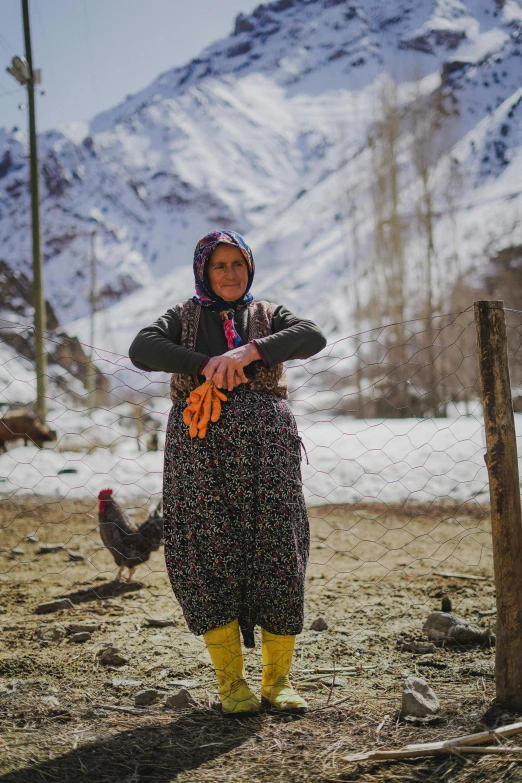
[[268, 141]]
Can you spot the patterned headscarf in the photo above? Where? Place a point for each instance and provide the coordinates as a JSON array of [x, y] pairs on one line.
[[206, 297]]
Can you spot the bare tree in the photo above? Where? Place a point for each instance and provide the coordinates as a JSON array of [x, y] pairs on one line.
[[406, 139], [350, 217], [454, 184], [389, 296]]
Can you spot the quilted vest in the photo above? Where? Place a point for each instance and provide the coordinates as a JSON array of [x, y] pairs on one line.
[[271, 380]]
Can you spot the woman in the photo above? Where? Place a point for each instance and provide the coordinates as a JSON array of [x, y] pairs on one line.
[[235, 523]]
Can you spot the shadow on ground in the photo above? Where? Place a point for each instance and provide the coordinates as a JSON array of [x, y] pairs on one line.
[[157, 753], [102, 591]]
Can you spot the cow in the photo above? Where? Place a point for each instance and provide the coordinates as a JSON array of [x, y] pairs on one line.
[[23, 423]]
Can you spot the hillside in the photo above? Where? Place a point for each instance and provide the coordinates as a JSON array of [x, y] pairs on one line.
[[266, 131]]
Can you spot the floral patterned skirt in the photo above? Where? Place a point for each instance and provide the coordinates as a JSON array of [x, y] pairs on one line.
[[235, 522]]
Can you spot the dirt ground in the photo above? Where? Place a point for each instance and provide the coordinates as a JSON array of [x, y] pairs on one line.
[[375, 574]]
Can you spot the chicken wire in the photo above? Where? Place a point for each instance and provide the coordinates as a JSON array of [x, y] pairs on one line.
[[394, 480]]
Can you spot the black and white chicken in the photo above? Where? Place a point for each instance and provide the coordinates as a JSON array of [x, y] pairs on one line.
[[129, 544]]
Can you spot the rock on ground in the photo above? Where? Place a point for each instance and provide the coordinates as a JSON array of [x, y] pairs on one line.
[[82, 627], [50, 701], [112, 656], [446, 604], [183, 684], [50, 633], [54, 606], [319, 624], [146, 697], [75, 556], [159, 622], [46, 549], [180, 700], [81, 636], [122, 684], [334, 681], [445, 626], [418, 648], [418, 698]]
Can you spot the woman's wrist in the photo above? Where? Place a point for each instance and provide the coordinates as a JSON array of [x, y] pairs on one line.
[[254, 354], [258, 354], [202, 366]]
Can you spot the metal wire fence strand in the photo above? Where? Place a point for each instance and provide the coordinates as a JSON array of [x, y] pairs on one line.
[[395, 484]]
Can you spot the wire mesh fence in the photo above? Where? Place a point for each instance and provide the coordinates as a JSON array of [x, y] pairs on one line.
[[395, 484]]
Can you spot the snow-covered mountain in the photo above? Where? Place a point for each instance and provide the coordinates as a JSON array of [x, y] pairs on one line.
[[266, 132]]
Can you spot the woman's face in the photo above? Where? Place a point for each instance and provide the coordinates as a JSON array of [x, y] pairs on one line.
[[227, 272]]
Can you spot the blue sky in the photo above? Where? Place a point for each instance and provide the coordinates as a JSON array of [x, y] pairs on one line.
[[95, 52]]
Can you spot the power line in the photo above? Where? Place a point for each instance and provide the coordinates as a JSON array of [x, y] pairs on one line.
[[9, 92], [7, 44]]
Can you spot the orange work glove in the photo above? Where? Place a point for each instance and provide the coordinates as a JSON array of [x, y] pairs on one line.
[[203, 405]]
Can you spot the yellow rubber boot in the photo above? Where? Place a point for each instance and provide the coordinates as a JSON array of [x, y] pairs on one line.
[[276, 688], [224, 647]]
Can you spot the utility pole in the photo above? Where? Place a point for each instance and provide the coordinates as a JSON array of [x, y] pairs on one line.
[[22, 69], [92, 297]]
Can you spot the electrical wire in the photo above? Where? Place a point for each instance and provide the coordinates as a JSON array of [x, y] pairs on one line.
[[7, 44], [10, 92]]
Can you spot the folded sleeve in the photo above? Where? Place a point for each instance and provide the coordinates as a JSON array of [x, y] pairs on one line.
[[157, 347], [292, 338]]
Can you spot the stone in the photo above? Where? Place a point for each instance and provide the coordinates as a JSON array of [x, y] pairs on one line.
[[81, 636], [480, 669], [146, 697], [445, 604], [75, 556], [112, 656], [158, 670], [32, 538], [50, 701], [50, 633], [18, 551], [319, 624], [158, 622], [334, 682], [124, 684], [162, 674], [418, 698], [432, 663], [183, 684], [418, 648], [54, 606], [82, 627], [46, 549], [447, 627], [180, 700]]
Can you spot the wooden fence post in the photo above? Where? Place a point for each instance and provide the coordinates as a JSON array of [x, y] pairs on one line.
[[504, 487]]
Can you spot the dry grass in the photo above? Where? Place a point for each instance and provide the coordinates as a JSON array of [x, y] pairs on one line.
[[373, 576]]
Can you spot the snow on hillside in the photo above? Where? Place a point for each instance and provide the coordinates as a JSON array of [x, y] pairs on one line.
[[389, 461], [265, 131], [347, 459], [17, 378]]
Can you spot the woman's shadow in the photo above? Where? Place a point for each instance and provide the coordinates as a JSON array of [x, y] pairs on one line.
[[156, 753]]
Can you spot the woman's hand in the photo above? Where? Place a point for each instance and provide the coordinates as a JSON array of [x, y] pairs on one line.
[[227, 370]]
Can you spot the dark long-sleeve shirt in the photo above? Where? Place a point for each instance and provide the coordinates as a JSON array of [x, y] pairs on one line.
[[157, 347]]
